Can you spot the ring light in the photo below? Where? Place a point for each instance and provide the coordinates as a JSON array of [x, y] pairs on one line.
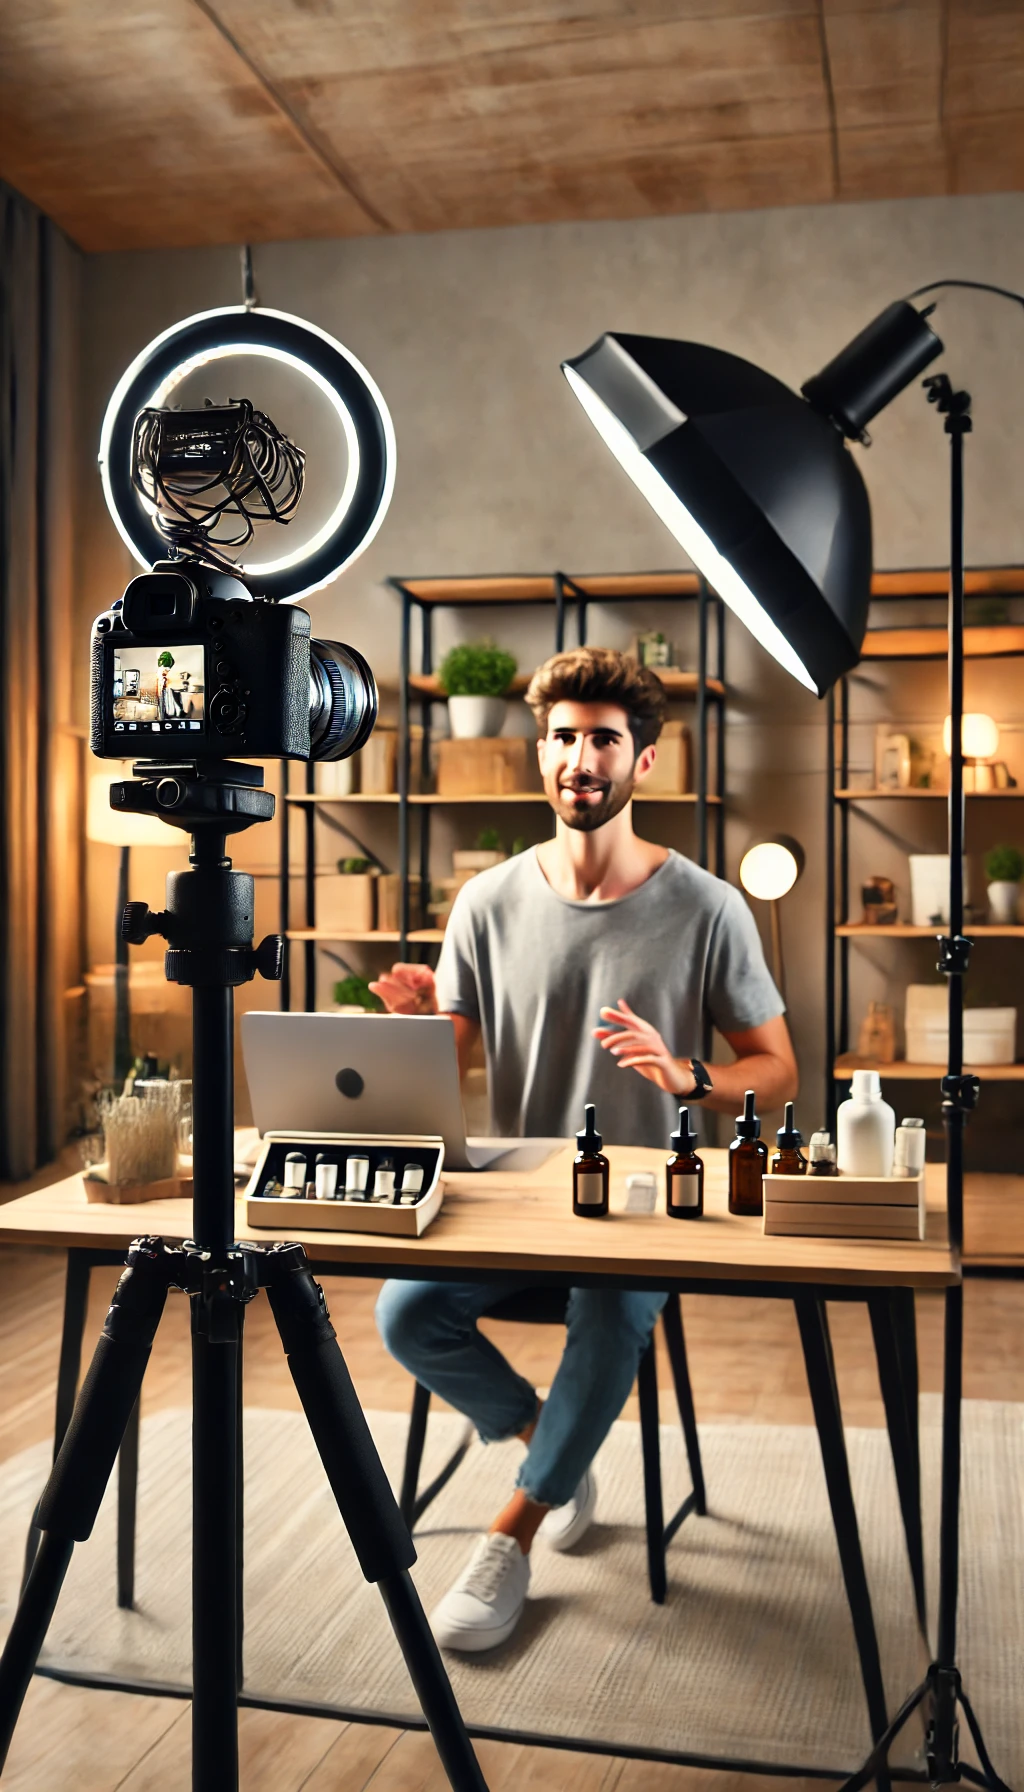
[[235, 330]]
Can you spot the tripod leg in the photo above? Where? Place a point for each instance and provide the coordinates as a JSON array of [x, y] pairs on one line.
[[72, 1495], [380, 1537], [127, 1501], [215, 1644]]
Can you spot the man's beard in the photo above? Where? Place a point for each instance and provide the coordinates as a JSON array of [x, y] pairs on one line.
[[586, 819]]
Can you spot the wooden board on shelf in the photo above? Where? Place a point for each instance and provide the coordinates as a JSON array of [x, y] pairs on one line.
[[903, 930], [846, 795], [517, 796], [901, 1071], [677, 684], [417, 936], [1000, 641]]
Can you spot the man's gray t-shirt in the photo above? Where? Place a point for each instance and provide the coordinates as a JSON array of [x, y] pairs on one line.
[[535, 969]]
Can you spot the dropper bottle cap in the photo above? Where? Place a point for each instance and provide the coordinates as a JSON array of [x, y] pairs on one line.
[[683, 1140], [589, 1140], [789, 1137], [748, 1126]]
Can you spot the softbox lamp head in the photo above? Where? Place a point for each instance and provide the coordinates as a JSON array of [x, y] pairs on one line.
[[756, 483]]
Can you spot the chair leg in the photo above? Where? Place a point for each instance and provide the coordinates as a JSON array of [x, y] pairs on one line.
[[647, 1389], [414, 1452], [672, 1321], [127, 1500]]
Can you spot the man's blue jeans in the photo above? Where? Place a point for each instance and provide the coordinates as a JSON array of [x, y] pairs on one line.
[[431, 1328]]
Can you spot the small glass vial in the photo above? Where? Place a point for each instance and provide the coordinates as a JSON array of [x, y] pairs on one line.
[[822, 1154], [326, 1178], [908, 1159], [295, 1173], [589, 1172], [684, 1174], [748, 1161], [384, 1181], [357, 1175], [411, 1186], [789, 1160]]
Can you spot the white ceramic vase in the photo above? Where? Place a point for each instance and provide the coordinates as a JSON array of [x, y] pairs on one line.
[[1003, 900], [476, 718]]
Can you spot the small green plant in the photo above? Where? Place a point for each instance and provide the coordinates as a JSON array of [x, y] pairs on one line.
[[166, 658], [477, 669], [355, 992], [354, 867], [488, 840], [1004, 865], [518, 846]]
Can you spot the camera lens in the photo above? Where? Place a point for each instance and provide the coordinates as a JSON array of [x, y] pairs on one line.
[[342, 700]]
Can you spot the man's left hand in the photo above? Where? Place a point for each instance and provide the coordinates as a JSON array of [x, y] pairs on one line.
[[639, 1046]]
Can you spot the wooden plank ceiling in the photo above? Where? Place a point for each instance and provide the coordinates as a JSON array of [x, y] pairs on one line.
[[146, 123]]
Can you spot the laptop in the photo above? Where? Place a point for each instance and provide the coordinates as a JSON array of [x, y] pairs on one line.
[[377, 1074]]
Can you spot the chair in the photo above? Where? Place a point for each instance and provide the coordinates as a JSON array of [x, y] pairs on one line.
[[547, 1306]]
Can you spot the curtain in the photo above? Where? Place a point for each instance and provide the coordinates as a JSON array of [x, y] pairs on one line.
[[41, 754]]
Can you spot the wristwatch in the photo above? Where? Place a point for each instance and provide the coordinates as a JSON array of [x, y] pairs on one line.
[[703, 1083]]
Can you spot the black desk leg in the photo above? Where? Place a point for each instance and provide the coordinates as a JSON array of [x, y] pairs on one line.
[[76, 1305], [127, 1494], [647, 1389], [821, 1381], [900, 1401], [672, 1322]]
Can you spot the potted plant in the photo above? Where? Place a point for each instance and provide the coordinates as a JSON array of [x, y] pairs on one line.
[[487, 852], [353, 995], [1004, 868], [475, 676]]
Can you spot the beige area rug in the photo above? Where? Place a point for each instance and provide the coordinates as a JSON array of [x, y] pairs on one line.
[[751, 1657]]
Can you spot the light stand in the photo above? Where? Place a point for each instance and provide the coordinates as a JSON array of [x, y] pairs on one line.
[[941, 1690], [208, 924]]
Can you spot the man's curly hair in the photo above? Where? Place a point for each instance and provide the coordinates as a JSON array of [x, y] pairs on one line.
[[600, 675]]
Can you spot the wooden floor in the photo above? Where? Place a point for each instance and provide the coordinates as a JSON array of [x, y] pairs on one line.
[[745, 1364]]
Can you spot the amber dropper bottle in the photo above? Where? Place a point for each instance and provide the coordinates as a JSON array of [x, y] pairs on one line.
[[589, 1171], [684, 1174], [789, 1160], [748, 1161]]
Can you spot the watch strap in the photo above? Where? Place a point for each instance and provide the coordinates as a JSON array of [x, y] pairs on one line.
[[702, 1082]]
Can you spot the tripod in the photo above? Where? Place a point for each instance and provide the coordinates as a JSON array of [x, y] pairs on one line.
[[208, 924], [941, 1691]]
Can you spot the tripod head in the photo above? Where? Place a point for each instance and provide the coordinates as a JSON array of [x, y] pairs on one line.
[[222, 798]]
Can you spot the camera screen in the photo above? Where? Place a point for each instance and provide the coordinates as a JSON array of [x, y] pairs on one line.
[[158, 690]]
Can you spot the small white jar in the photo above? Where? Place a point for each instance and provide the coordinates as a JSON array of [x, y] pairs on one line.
[[865, 1129]]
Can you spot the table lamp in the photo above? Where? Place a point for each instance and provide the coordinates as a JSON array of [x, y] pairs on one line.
[[111, 827], [768, 872], [979, 744]]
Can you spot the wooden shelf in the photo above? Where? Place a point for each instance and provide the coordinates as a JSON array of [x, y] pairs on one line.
[[539, 588], [676, 683], [515, 796], [880, 796], [390, 796], [1000, 641], [901, 1071], [903, 930], [417, 936]]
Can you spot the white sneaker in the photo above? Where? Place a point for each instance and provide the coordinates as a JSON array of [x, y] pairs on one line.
[[486, 1603], [565, 1525]]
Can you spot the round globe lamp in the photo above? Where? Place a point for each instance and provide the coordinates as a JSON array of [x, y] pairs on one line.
[[768, 872], [979, 744]]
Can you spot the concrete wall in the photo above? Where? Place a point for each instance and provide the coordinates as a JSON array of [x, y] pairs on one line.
[[498, 470]]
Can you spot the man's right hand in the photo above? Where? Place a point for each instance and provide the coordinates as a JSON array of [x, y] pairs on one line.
[[407, 989]]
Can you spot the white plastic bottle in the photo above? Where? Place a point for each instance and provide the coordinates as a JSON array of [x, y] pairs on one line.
[[865, 1129]]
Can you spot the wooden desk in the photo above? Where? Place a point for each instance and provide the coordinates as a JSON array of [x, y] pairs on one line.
[[505, 1225], [510, 1224]]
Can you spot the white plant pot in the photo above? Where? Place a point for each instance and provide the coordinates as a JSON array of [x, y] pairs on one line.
[[476, 718], [1003, 900]]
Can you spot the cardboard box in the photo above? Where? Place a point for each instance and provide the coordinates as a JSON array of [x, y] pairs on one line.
[[378, 763], [347, 901], [484, 767], [389, 892], [844, 1206], [286, 1214], [672, 770]]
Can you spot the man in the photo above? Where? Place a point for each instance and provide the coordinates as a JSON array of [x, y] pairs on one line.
[[595, 924]]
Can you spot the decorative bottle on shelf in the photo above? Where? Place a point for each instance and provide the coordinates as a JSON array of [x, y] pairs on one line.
[[865, 1129], [684, 1174], [589, 1171], [789, 1160], [748, 1161]]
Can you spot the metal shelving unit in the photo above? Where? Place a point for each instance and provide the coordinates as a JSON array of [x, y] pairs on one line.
[[568, 595], [893, 645]]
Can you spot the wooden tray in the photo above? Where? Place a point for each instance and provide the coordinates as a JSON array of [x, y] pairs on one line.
[[127, 1194]]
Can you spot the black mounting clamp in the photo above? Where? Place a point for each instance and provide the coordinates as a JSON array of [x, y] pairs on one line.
[[206, 965], [954, 954], [960, 1091]]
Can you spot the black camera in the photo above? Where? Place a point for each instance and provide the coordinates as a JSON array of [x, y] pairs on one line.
[[188, 663]]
